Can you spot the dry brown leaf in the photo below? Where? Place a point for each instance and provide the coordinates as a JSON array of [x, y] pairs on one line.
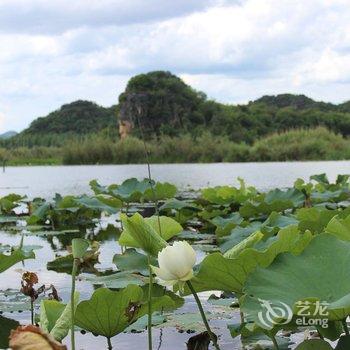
[[33, 338]]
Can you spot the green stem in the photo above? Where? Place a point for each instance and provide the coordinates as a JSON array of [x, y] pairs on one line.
[[345, 326], [32, 311], [109, 343], [275, 342], [74, 272], [205, 321], [150, 285]]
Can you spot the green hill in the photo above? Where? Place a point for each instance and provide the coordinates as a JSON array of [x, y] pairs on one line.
[[79, 117], [7, 135], [163, 105]]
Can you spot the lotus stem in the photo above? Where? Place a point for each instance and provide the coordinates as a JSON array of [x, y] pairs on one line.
[[150, 285], [345, 326], [205, 321], [74, 272], [109, 343], [274, 342], [32, 311]]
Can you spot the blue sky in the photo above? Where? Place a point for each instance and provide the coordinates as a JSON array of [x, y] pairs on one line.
[[54, 52]]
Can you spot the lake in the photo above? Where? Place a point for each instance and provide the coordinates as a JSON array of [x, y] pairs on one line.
[[45, 181]]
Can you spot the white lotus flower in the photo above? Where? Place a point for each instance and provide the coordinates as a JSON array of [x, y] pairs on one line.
[[175, 263]]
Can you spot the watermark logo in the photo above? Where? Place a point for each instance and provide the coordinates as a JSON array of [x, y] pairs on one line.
[[307, 313], [274, 313]]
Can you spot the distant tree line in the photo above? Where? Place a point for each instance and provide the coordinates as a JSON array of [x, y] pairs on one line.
[[164, 106]]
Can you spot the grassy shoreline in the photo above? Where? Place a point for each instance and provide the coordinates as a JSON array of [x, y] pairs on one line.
[[298, 145]]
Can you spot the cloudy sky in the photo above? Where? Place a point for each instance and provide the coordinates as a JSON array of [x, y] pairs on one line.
[[56, 51]]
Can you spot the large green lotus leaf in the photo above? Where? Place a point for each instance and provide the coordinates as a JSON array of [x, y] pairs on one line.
[[17, 255], [160, 191], [169, 227], [97, 188], [131, 190], [55, 317], [177, 204], [220, 194], [319, 274], [275, 200], [109, 313], [224, 195], [249, 242], [50, 311], [65, 263], [224, 225], [101, 203], [320, 178], [180, 209], [160, 291], [314, 219], [133, 261], [66, 203], [139, 233], [330, 196], [293, 195], [276, 221], [314, 344], [342, 179], [39, 214], [9, 202], [339, 227], [217, 272], [237, 235], [269, 227]]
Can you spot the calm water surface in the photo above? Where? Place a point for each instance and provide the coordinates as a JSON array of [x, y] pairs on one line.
[[45, 181]]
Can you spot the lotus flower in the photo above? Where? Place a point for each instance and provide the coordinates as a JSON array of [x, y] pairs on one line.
[[175, 264]]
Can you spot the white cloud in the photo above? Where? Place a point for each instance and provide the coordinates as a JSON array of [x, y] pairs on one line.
[[57, 51]]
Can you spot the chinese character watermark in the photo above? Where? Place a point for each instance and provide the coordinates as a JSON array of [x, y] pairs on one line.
[[307, 313]]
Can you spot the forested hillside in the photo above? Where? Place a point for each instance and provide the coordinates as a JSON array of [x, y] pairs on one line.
[[173, 114], [164, 105]]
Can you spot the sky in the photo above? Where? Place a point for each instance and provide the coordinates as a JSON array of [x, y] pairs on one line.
[[56, 51]]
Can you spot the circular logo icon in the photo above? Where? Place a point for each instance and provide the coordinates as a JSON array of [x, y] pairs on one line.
[[274, 313]]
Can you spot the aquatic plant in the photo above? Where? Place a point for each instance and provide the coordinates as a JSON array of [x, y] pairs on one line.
[[267, 252]]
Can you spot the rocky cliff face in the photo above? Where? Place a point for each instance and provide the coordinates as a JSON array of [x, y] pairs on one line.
[[159, 103]]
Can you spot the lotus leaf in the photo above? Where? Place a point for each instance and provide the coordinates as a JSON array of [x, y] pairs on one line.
[[17, 255], [133, 261], [217, 272], [139, 233], [320, 274], [224, 225], [109, 313]]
